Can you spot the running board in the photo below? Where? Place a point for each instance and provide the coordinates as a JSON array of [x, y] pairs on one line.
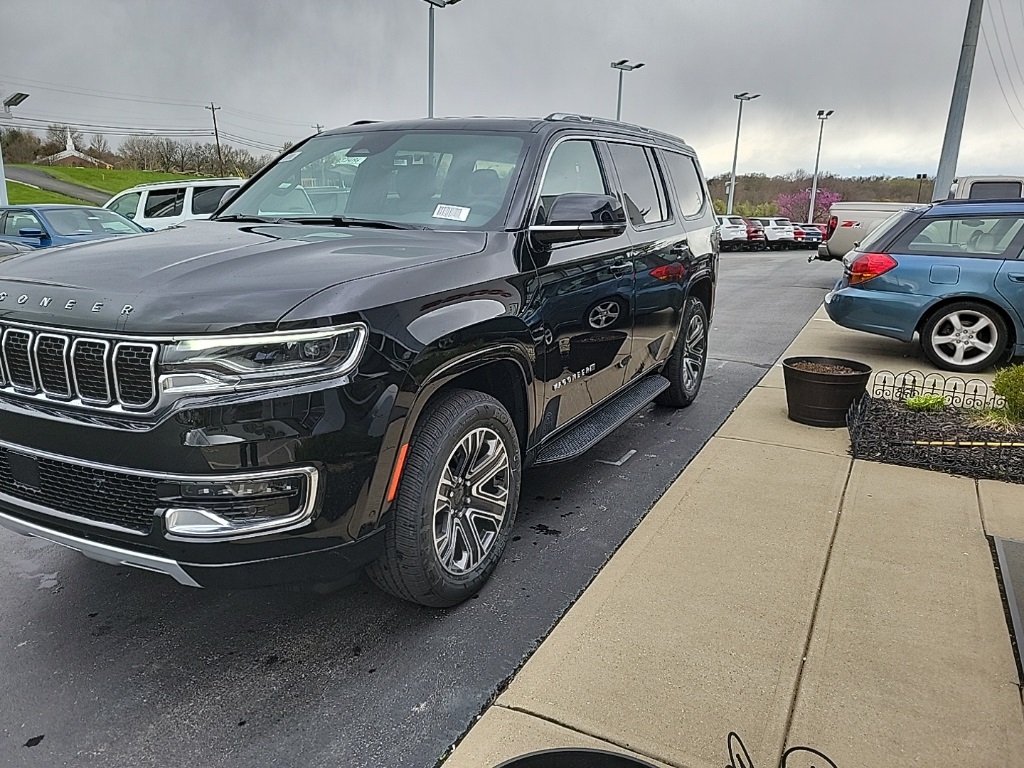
[[606, 419]]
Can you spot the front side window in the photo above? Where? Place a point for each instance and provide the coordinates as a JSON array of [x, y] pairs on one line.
[[127, 204], [689, 189], [417, 178], [967, 236], [205, 200], [642, 186], [573, 167], [164, 203], [19, 220]]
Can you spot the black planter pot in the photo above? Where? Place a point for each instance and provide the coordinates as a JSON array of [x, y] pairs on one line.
[[823, 399], [574, 758]]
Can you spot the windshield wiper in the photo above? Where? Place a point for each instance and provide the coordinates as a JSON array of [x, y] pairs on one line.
[[341, 221], [247, 217]]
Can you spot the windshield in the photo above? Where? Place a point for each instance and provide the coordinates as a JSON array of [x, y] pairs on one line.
[[89, 221], [422, 178]]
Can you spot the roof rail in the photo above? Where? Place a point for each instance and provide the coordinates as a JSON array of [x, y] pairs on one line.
[[977, 201], [364, 122], [569, 116]]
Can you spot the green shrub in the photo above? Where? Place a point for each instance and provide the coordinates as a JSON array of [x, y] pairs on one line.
[[926, 403], [1009, 384]]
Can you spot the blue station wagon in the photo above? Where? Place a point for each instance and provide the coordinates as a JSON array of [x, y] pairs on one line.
[[952, 272]]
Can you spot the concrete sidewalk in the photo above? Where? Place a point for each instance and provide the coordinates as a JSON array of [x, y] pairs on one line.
[[783, 591]]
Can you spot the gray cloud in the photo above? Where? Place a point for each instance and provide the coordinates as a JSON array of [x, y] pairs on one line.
[[885, 66]]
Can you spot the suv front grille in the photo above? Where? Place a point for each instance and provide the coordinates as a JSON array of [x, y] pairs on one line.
[[114, 498], [66, 367]]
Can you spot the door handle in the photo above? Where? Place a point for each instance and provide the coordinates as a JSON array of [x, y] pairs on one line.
[[1016, 277], [620, 267]]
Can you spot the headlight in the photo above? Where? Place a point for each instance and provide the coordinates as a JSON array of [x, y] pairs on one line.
[[212, 363]]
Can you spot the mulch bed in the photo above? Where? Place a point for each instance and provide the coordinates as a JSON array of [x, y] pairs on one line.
[[885, 430]]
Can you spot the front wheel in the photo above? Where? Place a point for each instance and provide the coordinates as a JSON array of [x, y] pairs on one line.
[[456, 502], [964, 337], [685, 368]]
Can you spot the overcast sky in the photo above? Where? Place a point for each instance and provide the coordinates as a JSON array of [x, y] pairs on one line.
[[885, 66]]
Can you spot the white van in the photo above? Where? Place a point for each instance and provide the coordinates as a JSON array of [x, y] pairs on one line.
[[164, 204]]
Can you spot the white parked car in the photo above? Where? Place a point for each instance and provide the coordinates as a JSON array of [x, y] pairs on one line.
[[733, 230], [778, 232], [164, 204]]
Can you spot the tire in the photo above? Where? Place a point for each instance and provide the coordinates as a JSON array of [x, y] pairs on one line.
[[438, 549], [973, 332], [685, 368]]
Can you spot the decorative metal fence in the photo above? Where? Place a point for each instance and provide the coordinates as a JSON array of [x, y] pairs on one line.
[[959, 393]]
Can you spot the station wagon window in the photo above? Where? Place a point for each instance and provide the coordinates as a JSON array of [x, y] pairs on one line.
[[127, 205], [642, 185], [164, 203], [689, 190], [980, 236]]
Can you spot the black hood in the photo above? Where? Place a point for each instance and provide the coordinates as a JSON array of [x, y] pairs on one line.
[[207, 276]]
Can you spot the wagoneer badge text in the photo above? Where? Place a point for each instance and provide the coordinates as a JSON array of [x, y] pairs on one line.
[[69, 305]]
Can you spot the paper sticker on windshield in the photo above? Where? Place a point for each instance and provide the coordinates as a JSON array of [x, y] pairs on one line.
[[451, 212]]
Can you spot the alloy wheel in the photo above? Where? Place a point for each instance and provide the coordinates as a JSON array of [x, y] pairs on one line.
[[964, 337], [605, 314], [471, 501], [694, 346]]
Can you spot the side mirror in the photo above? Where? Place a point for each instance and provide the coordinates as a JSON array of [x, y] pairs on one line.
[[130, 215], [227, 196], [148, 229], [576, 216], [33, 233]]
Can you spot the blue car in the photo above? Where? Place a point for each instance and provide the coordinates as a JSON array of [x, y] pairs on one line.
[[42, 226], [950, 272]]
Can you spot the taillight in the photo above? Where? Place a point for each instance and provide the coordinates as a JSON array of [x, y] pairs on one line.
[[833, 222], [870, 265]]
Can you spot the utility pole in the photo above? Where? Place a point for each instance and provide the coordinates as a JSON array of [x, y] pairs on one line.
[[216, 136], [958, 106], [318, 127]]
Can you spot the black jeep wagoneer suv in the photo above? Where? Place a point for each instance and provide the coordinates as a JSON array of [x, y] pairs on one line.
[[351, 364]]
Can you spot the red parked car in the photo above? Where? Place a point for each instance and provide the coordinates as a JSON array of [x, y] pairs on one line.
[[756, 240]]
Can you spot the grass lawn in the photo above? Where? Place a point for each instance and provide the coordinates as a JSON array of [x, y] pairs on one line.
[[23, 194], [103, 180]]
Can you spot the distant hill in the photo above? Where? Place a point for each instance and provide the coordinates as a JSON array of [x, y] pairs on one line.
[[756, 189]]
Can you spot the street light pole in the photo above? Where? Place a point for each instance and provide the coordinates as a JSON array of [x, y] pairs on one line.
[[11, 101], [623, 66], [822, 117], [741, 97], [430, 66]]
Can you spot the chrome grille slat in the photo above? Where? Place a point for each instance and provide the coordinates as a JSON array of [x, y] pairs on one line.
[[51, 361], [82, 369], [17, 349]]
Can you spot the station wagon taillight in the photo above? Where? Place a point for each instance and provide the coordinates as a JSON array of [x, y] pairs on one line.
[[870, 265], [833, 222]]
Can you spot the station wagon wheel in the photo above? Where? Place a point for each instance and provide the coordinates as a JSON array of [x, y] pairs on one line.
[[456, 502], [605, 314], [966, 336]]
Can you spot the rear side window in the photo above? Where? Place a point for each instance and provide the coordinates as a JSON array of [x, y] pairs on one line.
[[968, 236], [689, 189], [894, 223], [165, 203], [994, 190], [206, 199], [127, 205], [642, 185]]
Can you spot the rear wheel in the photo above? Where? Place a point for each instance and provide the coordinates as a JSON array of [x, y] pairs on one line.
[[685, 368], [965, 337], [456, 502]]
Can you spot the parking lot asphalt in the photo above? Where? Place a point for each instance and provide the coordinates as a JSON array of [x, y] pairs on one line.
[[113, 666]]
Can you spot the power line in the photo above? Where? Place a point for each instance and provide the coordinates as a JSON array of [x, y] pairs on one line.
[[1002, 90], [1002, 56]]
